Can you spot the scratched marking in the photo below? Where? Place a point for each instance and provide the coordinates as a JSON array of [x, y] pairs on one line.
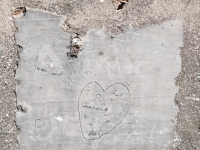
[[43, 127], [101, 111], [48, 62]]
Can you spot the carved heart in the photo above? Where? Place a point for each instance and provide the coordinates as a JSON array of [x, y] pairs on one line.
[[101, 111]]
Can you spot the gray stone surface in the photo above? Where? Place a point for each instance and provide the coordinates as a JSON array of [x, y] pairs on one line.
[[118, 94]]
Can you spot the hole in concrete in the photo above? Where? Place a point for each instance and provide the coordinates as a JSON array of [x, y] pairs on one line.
[[19, 47], [101, 53], [121, 3], [76, 45], [22, 108], [19, 11], [121, 6]]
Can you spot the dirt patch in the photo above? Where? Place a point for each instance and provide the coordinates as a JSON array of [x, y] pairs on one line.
[[81, 15]]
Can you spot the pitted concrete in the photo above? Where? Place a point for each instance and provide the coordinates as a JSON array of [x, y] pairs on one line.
[[118, 94]]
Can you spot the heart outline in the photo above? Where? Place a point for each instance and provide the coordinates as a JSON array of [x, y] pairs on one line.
[[104, 92]]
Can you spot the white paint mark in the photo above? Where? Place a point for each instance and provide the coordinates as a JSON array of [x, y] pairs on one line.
[[59, 118], [135, 133], [101, 1]]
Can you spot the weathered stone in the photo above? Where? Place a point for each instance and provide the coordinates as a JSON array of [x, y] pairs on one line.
[[135, 69]]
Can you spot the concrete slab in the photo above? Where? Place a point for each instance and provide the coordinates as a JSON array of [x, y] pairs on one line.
[[118, 94]]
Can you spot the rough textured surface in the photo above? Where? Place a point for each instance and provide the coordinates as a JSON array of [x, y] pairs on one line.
[[82, 15], [8, 64], [144, 12], [112, 94]]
